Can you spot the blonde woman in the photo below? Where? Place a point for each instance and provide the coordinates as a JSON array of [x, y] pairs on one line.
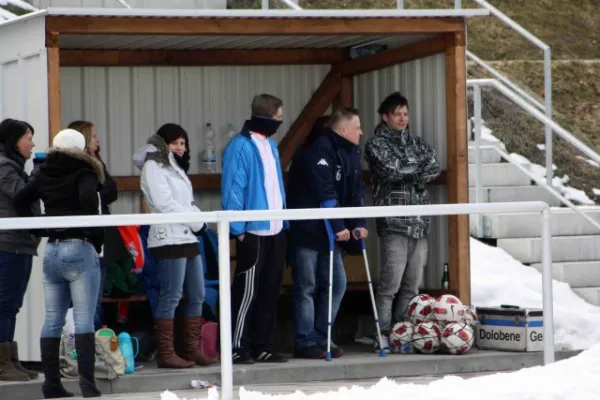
[[114, 250]]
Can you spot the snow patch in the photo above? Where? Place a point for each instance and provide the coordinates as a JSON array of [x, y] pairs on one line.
[[575, 379]]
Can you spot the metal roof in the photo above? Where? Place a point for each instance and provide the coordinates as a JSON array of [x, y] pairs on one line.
[[207, 13], [178, 42]]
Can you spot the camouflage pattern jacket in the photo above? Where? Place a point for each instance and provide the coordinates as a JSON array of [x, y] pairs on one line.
[[400, 166]]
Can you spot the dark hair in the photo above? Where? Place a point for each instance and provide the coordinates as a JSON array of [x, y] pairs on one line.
[[265, 105], [11, 131], [170, 132], [317, 129], [340, 114], [390, 103]]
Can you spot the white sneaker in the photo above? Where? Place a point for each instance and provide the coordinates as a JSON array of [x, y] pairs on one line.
[[385, 344]]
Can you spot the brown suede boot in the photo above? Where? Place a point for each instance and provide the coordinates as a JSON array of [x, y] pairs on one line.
[[193, 341], [8, 372], [14, 356], [167, 358]]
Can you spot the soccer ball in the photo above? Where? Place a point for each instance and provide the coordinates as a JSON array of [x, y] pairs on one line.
[[457, 338], [467, 315], [419, 309], [401, 335], [447, 308], [426, 337]]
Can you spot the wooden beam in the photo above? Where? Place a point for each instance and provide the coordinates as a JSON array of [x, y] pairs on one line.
[[457, 160], [199, 181], [53, 60], [113, 58], [387, 58], [315, 107], [250, 26], [213, 181], [345, 95]]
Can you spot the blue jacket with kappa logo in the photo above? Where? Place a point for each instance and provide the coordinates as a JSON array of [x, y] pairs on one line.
[[328, 173]]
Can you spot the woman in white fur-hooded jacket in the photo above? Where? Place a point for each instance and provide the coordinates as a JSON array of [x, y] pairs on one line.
[[164, 162]]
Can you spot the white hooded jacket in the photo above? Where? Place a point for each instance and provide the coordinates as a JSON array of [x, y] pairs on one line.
[[167, 189]]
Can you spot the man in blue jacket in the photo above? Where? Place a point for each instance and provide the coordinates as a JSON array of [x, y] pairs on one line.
[[252, 180], [328, 173]]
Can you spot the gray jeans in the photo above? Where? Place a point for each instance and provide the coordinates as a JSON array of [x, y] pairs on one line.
[[400, 275]]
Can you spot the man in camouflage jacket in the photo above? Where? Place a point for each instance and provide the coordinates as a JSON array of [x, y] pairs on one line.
[[401, 165]]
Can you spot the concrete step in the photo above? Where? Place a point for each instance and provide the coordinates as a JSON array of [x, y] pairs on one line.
[[499, 174], [578, 274], [362, 365], [564, 248], [565, 222], [488, 156], [514, 193], [589, 294]]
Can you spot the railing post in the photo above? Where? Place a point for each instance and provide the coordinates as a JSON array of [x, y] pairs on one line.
[[457, 4], [478, 185], [265, 4], [547, 287], [400, 4], [548, 103], [225, 311]]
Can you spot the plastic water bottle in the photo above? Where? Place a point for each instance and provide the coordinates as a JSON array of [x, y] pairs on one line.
[[209, 158], [230, 131], [126, 347]]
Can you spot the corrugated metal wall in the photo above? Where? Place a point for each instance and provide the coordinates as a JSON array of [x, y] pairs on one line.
[[127, 105], [170, 4], [23, 95], [423, 83]]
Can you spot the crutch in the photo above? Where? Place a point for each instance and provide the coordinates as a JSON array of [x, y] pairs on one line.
[[368, 271], [331, 237]]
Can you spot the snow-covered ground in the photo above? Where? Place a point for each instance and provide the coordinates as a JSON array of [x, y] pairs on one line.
[[572, 379], [497, 278]]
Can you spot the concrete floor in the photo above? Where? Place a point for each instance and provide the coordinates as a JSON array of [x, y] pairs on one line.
[[359, 366]]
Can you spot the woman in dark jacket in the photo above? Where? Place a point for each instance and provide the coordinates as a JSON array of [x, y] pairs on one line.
[[17, 248], [114, 249], [68, 183]]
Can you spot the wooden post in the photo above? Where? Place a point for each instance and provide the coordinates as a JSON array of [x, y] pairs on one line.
[[457, 164], [344, 96], [53, 57]]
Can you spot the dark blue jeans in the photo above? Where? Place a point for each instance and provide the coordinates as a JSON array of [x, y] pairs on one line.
[[15, 270], [310, 291]]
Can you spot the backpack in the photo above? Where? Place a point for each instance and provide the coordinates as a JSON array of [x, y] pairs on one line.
[[110, 364]]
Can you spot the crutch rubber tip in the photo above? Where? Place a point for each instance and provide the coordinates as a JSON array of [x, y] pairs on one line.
[[328, 356], [381, 352]]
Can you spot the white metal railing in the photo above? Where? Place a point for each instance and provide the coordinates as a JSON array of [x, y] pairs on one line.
[[547, 77], [563, 133], [537, 180], [223, 218], [504, 79]]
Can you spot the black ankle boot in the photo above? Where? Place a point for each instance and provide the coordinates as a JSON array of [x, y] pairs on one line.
[[85, 344], [52, 387]]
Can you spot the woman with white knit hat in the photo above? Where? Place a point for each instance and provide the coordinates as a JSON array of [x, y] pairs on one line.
[[68, 183]]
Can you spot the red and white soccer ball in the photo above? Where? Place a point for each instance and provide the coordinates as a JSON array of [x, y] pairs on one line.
[[457, 338], [447, 308], [467, 315], [420, 308], [426, 337], [401, 335]]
